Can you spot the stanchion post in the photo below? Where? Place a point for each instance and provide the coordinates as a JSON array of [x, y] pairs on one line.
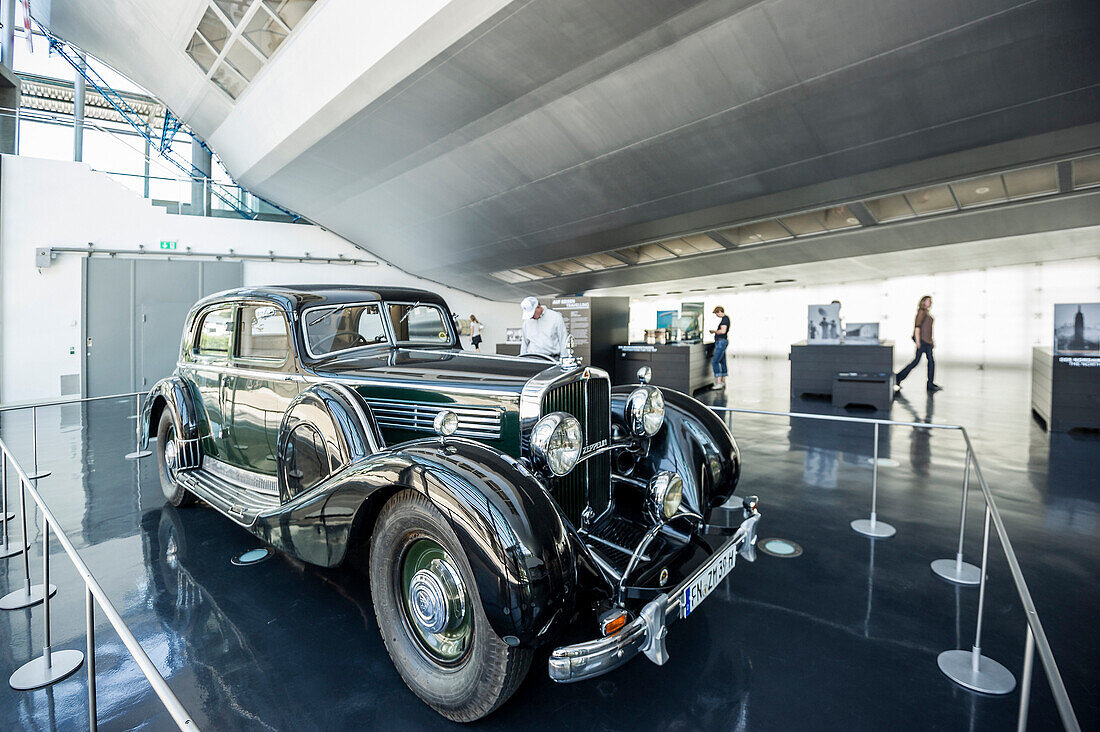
[[1025, 680], [34, 446], [138, 453], [958, 571], [30, 594], [874, 528], [971, 669], [47, 650], [6, 516], [51, 666], [89, 612], [6, 548]]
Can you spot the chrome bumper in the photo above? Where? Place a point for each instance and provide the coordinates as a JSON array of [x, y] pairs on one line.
[[647, 632]]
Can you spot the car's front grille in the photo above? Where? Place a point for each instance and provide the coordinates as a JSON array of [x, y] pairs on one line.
[[477, 422], [589, 400]]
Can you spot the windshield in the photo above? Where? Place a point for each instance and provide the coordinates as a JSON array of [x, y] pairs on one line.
[[416, 323], [341, 327]]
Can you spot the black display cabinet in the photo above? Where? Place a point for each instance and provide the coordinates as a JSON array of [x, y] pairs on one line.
[[1065, 390], [814, 367]]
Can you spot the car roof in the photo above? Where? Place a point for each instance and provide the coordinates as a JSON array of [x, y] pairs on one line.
[[298, 297]]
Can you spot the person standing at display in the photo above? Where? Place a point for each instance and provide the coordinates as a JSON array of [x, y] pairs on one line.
[[475, 332], [543, 330], [922, 336], [721, 341]]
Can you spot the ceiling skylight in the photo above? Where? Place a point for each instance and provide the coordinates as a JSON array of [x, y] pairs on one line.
[[235, 38]]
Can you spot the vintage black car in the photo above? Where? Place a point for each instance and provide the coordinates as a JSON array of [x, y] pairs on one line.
[[499, 504]]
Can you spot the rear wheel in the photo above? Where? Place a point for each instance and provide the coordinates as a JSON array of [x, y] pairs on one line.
[[168, 462], [431, 617]]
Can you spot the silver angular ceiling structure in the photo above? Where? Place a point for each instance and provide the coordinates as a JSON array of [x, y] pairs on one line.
[[569, 135]]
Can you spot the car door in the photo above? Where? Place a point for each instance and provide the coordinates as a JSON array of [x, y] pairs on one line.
[[264, 382], [209, 361]]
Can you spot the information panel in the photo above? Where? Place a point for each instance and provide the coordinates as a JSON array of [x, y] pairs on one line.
[[577, 314]]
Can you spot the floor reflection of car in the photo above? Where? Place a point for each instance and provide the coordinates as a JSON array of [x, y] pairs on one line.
[[500, 504]]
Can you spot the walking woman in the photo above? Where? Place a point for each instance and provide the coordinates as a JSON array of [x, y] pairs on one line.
[[475, 332], [922, 336]]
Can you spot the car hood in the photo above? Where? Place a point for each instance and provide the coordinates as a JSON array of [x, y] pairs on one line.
[[424, 365]]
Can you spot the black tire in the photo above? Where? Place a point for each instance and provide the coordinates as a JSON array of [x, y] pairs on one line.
[[488, 671], [175, 493]]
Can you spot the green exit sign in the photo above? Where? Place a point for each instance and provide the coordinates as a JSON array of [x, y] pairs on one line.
[[168, 245]]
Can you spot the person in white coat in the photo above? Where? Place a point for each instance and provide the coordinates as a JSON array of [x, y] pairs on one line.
[[543, 330]]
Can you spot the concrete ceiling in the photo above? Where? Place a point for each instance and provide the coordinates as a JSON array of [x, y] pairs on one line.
[[558, 128], [1051, 246]]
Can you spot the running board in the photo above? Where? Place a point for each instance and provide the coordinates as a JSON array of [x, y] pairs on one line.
[[241, 503]]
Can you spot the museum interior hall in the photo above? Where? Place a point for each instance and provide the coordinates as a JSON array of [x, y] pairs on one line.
[[521, 364]]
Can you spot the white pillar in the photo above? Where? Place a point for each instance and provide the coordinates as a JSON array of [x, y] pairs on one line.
[[78, 110]]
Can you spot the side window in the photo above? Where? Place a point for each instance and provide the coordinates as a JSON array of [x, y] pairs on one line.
[[263, 334], [215, 332]]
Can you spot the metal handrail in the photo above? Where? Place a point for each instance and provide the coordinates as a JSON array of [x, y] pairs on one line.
[[94, 591], [1036, 636], [73, 400]]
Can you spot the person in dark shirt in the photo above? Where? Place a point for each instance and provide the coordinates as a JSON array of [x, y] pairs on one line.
[[721, 341], [922, 336]]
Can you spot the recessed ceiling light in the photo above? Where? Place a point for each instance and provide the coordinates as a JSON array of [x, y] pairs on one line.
[[982, 189], [726, 287], [677, 249], [753, 284], [650, 294], [852, 220], [698, 289], [674, 292], [783, 280]]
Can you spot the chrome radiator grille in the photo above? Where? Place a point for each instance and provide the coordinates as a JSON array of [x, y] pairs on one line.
[[590, 482], [477, 422]]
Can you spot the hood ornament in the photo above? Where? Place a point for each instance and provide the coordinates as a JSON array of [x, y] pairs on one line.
[[569, 361]]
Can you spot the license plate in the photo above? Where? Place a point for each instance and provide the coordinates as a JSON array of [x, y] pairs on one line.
[[711, 576]]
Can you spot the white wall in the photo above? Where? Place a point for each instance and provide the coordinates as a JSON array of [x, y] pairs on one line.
[[991, 316], [62, 204]]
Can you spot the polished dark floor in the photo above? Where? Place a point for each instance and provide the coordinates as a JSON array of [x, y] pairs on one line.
[[844, 636]]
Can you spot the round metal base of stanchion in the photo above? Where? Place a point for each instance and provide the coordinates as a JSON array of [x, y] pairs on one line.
[[39, 474], [11, 549], [990, 678], [35, 674], [960, 574], [21, 598], [876, 530], [138, 454]]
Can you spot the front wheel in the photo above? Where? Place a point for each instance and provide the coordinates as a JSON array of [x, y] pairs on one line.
[[168, 462], [430, 614]]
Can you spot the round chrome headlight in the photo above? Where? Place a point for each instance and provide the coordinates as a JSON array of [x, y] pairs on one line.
[[666, 491], [645, 411], [556, 442]]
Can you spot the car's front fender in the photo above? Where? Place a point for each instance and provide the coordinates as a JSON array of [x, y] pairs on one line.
[[515, 539], [695, 443]]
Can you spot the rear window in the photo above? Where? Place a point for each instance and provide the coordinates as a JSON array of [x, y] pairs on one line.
[[215, 332]]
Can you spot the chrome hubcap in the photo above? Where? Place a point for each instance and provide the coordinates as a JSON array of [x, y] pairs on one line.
[[436, 602], [171, 456], [437, 597]]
